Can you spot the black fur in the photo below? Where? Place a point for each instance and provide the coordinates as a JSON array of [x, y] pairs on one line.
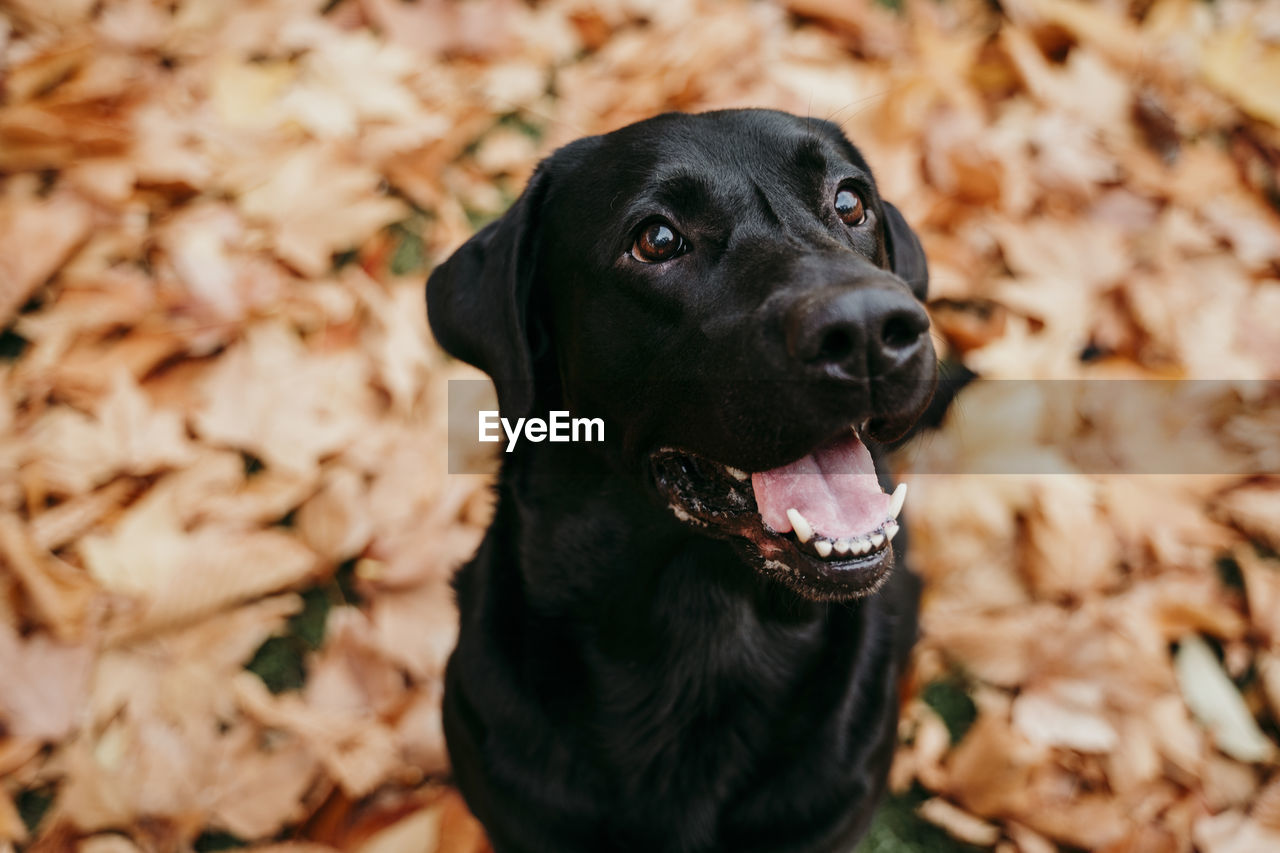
[[625, 680]]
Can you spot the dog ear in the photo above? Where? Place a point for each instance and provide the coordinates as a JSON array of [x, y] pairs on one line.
[[906, 255], [478, 300]]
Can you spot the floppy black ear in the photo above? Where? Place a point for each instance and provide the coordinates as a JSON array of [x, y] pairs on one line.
[[478, 301], [906, 255]]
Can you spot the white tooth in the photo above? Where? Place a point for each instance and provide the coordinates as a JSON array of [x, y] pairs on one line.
[[877, 540], [823, 547], [862, 546], [803, 531], [899, 496], [890, 530], [736, 473], [842, 546]]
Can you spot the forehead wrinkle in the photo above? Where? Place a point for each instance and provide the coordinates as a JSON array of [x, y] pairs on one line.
[[810, 155], [681, 193]]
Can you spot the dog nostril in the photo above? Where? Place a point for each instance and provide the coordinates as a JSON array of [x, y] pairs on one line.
[[836, 346], [899, 332]]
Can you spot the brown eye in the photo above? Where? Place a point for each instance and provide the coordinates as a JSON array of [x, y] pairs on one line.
[[657, 242], [849, 208]]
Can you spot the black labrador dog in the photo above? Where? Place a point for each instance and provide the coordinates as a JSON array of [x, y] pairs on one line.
[[688, 637]]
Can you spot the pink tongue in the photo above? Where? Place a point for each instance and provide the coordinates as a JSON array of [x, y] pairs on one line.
[[834, 488]]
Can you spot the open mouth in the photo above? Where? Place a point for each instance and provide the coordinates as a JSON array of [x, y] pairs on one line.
[[822, 521]]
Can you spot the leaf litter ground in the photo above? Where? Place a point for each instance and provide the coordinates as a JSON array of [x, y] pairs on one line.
[[226, 526]]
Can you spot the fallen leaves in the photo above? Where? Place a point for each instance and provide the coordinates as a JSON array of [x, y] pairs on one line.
[[223, 422], [44, 685], [1217, 703], [269, 396], [36, 238], [315, 202]]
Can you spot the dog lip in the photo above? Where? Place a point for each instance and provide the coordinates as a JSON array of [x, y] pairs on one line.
[[819, 579], [719, 500]]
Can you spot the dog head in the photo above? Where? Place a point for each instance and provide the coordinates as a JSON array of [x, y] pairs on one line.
[[731, 295]]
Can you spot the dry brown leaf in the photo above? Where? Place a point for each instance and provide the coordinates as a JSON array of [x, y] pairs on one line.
[[76, 453], [1135, 762], [357, 751], [43, 684], [1084, 86], [398, 340], [351, 675], [1245, 68], [1059, 560], [420, 733], [417, 628], [959, 823], [36, 237], [1065, 714], [1100, 26], [180, 678], [345, 79], [11, 826], [436, 27], [315, 201], [1262, 589], [419, 831], [261, 790], [106, 843], [990, 771], [69, 520], [1266, 806], [60, 595], [177, 573], [1160, 520], [1248, 225], [1255, 509], [1028, 840], [335, 522], [145, 439], [1090, 821], [865, 23], [289, 406], [209, 249], [1228, 784], [246, 500], [460, 831], [1233, 832]]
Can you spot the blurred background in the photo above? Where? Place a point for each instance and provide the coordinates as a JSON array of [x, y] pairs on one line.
[[226, 526]]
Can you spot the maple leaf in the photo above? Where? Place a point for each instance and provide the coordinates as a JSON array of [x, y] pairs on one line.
[[314, 202]]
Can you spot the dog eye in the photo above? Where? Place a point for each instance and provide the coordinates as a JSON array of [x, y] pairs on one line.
[[849, 207], [656, 243]]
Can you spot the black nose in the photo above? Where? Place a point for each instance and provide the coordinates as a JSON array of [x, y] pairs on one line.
[[857, 333]]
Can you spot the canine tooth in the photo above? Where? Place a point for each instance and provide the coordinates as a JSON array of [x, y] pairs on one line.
[[737, 473], [891, 530], [823, 547], [803, 531], [877, 539], [842, 546], [899, 496]]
